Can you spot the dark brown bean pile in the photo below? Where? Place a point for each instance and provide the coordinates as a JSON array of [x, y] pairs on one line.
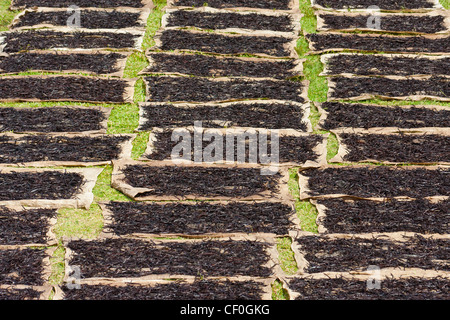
[[212, 66], [25, 226], [266, 4], [279, 115], [19, 294], [22, 266], [346, 255], [97, 63], [394, 23], [364, 216], [134, 258], [347, 88], [291, 148], [201, 181], [390, 289], [60, 148], [416, 148], [79, 3], [89, 19], [378, 65], [55, 119], [162, 89], [224, 20], [379, 181], [177, 290], [200, 218], [50, 185], [225, 44], [47, 39], [381, 43], [367, 116], [63, 88], [382, 4]]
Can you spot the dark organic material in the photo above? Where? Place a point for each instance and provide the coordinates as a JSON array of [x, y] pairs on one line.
[[342, 115], [364, 216], [212, 66], [392, 23], [79, 3], [96, 63], [378, 181], [201, 181], [50, 185], [200, 218], [380, 43], [406, 148], [135, 258], [162, 89], [177, 290], [346, 255], [22, 266], [347, 88], [24, 226], [382, 4], [224, 20], [34, 148], [90, 19], [11, 293], [48, 39], [59, 88], [266, 4], [54, 119], [276, 115], [391, 289], [225, 43], [379, 65], [296, 149]]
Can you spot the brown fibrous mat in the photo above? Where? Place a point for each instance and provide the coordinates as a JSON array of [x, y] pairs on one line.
[[224, 20], [50, 185], [381, 43], [201, 181], [277, 115], [177, 290], [79, 3], [54, 119], [373, 65], [97, 63], [212, 66], [22, 266], [225, 44], [382, 4], [91, 19], [413, 288], [393, 23], [162, 89], [378, 181], [200, 218], [67, 88], [406, 148], [347, 88], [291, 148], [342, 115], [345, 255], [25, 226], [35, 148], [136, 258], [266, 4], [48, 39], [366, 216]]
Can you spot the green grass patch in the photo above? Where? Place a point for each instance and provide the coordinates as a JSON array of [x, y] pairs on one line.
[[6, 15], [153, 23], [278, 292], [286, 256]]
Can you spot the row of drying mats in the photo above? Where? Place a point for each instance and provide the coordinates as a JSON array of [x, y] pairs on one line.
[[233, 245]]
